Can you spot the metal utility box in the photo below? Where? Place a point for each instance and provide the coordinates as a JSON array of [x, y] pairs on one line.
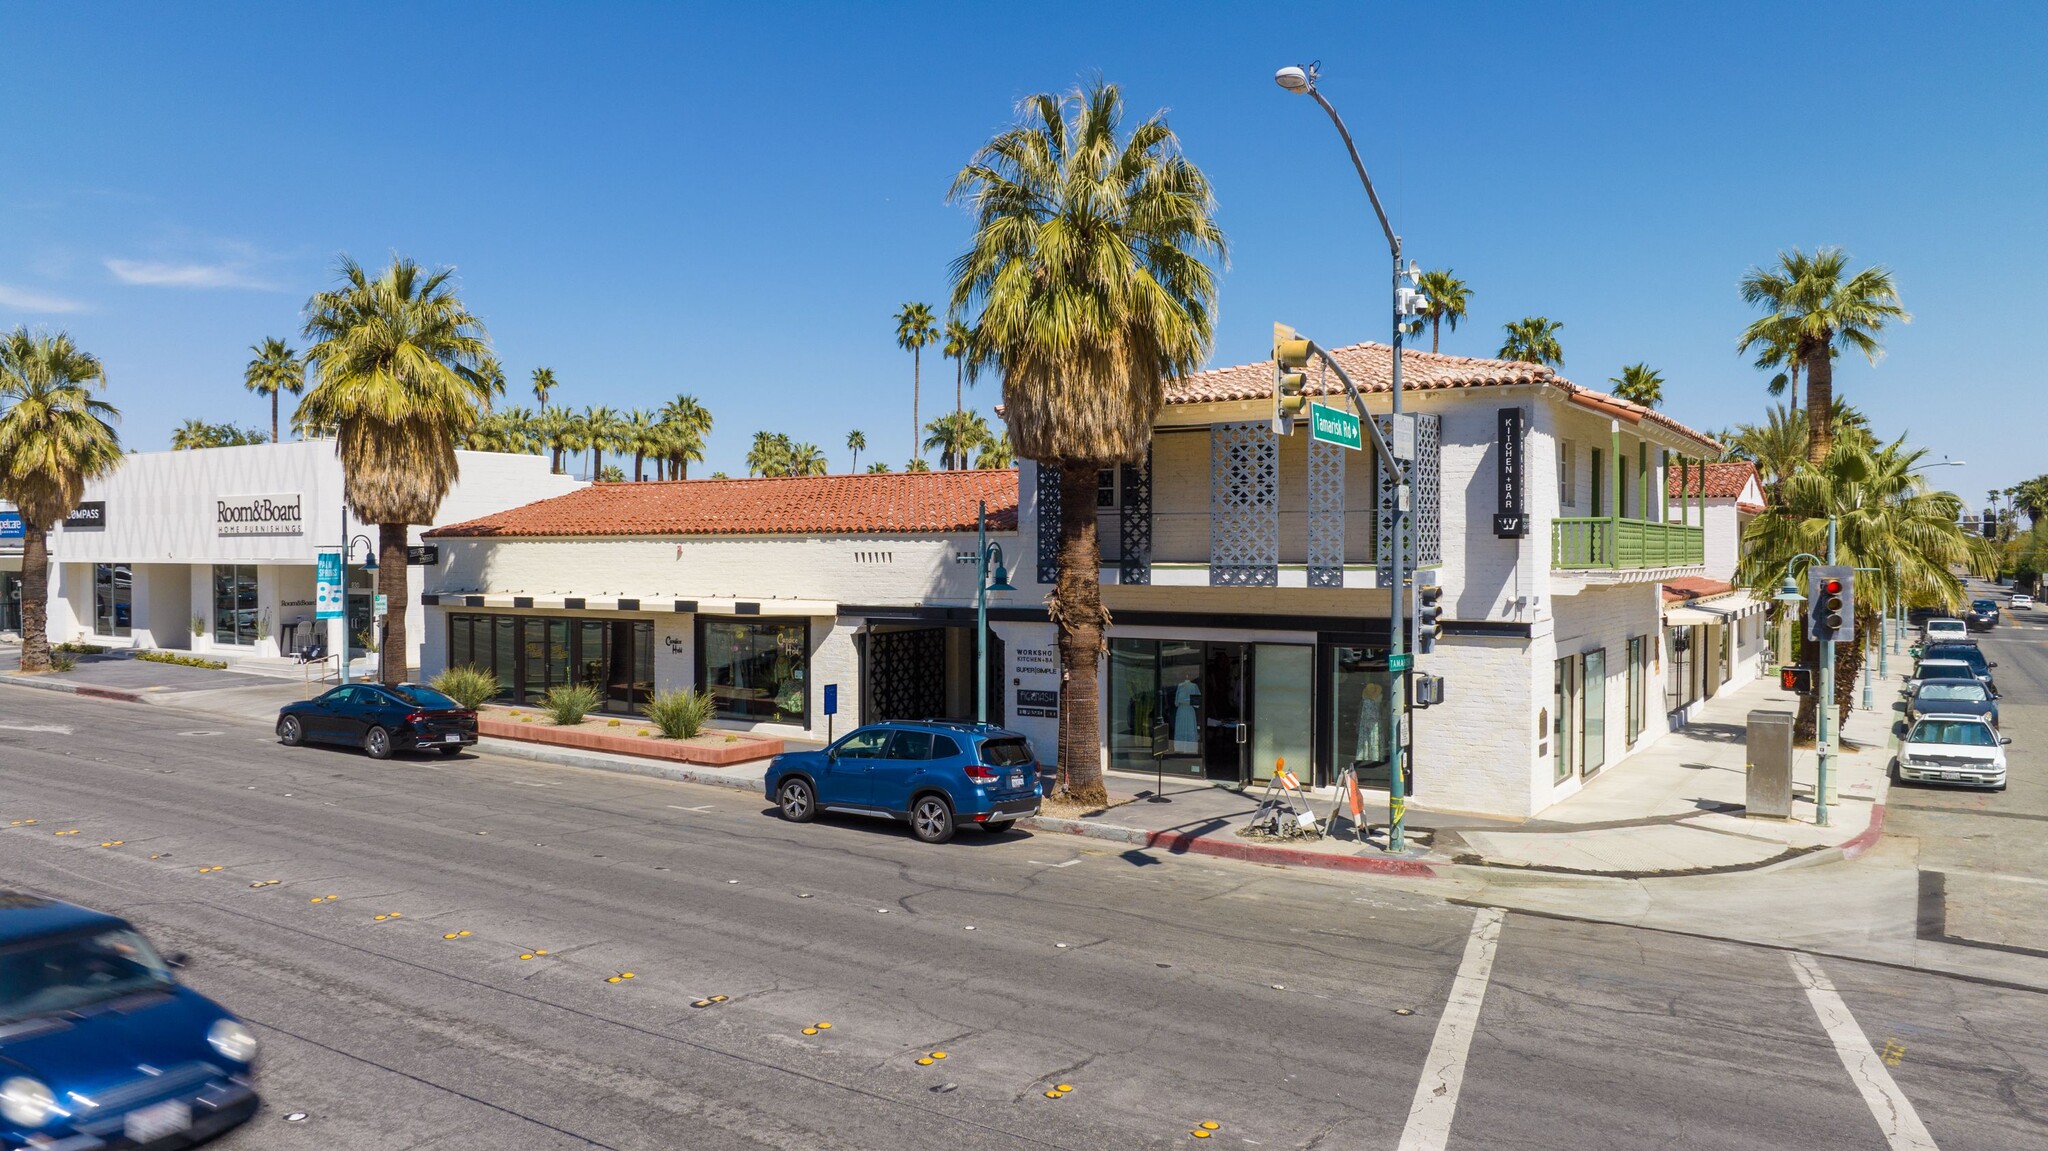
[[1768, 793]]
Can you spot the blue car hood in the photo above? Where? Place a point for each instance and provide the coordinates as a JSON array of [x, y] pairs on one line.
[[104, 1047]]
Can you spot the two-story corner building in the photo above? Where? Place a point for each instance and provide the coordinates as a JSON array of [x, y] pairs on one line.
[[779, 597], [1716, 633], [1250, 617], [216, 549]]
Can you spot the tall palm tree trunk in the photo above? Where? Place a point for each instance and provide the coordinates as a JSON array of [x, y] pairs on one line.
[[639, 466], [392, 580], [1820, 404], [596, 462], [273, 416], [1076, 607], [35, 599], [1436, 331], [959, 392], [916, 426]]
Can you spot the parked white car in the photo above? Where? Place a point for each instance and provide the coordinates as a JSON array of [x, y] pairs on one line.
[[1959, 749], [2021, 601], [1943, 629]]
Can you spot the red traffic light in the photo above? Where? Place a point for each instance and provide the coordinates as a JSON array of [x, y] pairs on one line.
[[1831, 587]]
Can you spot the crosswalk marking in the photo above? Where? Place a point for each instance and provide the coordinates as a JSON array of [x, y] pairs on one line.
[[1895, 1116], [1436, 1096]]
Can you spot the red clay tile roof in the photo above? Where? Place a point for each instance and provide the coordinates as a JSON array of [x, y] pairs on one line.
[[1685, 589], [867, 504], [1370, 366], [1724, 481]]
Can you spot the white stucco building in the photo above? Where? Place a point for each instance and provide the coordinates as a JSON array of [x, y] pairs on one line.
[[1716, 633], [1239, 568], [215, 549]]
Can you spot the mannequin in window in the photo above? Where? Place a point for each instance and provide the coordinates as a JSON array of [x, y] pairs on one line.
[[1187, 700], [1372, 720]]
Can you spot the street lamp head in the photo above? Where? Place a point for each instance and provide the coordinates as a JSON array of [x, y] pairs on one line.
[[1295, 79], [1788, 593], [1000, 579]]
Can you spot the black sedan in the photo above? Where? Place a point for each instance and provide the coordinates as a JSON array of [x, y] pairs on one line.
[[1951, 697], [1981, 616], [379, 719]]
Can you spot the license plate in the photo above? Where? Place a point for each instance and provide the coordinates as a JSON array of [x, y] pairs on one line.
[[1016, 779], [158, 1121], [451, 739], [1951, 775]]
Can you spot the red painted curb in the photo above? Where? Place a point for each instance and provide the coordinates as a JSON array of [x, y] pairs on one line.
[[1181, 842], [1868, 837], [107, 693]]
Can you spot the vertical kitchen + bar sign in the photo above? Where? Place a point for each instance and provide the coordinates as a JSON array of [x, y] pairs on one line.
[[1511, 516]]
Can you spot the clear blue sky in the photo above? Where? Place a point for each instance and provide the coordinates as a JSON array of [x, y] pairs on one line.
[[733, 200]]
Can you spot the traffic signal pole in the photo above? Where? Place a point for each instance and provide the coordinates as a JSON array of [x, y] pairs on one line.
[[1824, 733]]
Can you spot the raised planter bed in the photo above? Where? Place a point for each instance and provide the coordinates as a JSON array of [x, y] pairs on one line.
[[595, 733]]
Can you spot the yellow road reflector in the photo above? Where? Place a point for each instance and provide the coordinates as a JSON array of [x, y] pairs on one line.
[[718, 999], [938, 1055], [925, 1061], [114, 843], [621, 977], [611, 979], [1199, 1133], [626, 974], [73, 831], [204, 870], [456, 935], [387, 915], [824, 1027], [1054, 1095], [528, 955], [810, 1031], [1066, 1087], [1208, 1126]]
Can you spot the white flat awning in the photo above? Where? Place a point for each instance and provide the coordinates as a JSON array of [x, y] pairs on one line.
[[1713, 611], [665, 602], [1690, 617]]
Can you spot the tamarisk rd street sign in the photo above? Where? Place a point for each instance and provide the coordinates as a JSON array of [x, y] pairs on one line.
[[1335, 426]]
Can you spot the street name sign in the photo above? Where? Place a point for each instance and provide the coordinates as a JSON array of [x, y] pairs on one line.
[[1335, 426]]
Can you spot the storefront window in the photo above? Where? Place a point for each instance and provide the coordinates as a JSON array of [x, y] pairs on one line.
[[10, 601], [1362, 713], [113, 592], [755, 670], [1596, 711], [1638, 670], [234, 604]]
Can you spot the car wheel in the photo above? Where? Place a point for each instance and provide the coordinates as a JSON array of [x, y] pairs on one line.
[[450, 752], [290, 731], [377, 743], [997, 826], [931, 819], [798, 802]]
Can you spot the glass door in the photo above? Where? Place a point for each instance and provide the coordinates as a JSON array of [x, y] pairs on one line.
[[1594, 756], [1283, 681], [1225, 724], [1563, 718]]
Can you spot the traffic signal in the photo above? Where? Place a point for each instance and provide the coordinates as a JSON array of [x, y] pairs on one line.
[[1831, 604], [1797, 680], [1290, 378], [1427, 613]]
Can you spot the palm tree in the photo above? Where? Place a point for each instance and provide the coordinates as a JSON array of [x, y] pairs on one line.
[[2031, 497], [1533, 340], [554, 428], [54, 436], [916, 328], [879, 467], [1448, 298], [275, 369], [603, 431], [804, 460], [640, 434], [1813, 308], [957, 338], [197, 433], [543, 386], [1886, 518], [770, 454], [1639, 384], [855, 441], [397, 362], [1087, 286], [691, 424], [996, 453], [955, 435], [917, 464], [1777, 447]]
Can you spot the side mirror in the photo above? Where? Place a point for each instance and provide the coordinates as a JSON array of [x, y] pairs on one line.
[[1993, 663], [2004, 739], [1899, 729], [1899, 706]]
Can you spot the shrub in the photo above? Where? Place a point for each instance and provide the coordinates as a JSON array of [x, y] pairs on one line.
[[466, 685], [569, 703], [679, 714], [180, 660], [80, 648], [61, 661]]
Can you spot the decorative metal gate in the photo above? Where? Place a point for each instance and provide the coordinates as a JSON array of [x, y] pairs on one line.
[[1424, 538], [1244, 506], [907, 674], [1048, 521], [1134, 525], [1325, 514]]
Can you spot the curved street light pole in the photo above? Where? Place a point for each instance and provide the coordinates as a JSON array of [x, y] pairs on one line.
[[1303, 81]]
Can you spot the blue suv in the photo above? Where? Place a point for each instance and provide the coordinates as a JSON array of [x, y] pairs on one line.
[[932, 775], [100, 1046]]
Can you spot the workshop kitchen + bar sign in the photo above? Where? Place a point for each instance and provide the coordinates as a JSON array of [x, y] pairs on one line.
[[1510, 516], [277, 514]]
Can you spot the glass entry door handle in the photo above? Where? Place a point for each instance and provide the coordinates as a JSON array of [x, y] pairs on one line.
[[1244, 731]]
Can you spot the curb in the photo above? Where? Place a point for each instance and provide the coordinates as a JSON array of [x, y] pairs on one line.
[[653, 769], [18, 680], [1182, 843]]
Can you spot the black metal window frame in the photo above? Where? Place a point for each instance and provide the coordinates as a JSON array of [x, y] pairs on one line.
[[706, 622]]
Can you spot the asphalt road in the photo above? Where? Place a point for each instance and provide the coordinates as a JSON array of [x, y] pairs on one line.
[[1983, 856], [1294, 1010]]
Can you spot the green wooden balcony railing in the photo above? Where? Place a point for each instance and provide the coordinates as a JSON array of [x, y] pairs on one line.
[[1625, 544]]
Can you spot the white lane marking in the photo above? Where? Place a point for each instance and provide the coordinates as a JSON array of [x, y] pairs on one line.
[[699, 810], [51, 728], [1895, 1116], [1043, 863], [1436, 1096]]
